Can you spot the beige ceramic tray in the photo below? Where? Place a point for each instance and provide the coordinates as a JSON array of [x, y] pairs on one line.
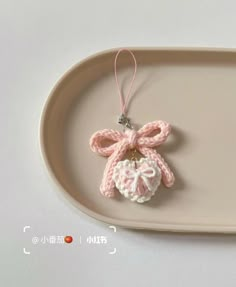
[[195, 91]]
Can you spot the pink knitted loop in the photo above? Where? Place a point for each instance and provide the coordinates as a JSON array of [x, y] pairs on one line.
[[132, 137], [143, 140]]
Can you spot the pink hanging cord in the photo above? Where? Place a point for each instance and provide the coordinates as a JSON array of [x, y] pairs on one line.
[[144, 140], [124, 100]]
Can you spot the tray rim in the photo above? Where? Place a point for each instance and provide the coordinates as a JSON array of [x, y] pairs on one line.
[[166, 227]]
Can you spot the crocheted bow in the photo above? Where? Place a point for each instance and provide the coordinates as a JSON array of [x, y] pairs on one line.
[[145, 174], [142, 140]]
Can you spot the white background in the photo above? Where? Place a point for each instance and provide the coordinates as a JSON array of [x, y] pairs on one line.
[[40, 40]]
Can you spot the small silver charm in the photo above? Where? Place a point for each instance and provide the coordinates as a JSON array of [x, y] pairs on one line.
[[124, 121]]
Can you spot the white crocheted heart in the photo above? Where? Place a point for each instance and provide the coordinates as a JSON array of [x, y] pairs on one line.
[[137, 180]]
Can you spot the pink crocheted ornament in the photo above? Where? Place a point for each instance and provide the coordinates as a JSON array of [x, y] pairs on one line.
[[142, 140], [137, 180]]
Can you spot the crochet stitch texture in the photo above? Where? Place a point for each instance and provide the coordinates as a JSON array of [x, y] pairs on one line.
[[142, 140]]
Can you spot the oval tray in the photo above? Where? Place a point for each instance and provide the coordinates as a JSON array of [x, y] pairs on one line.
[[192, 89]]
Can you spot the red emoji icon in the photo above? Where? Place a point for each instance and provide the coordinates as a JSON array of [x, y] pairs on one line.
[[68, 239]]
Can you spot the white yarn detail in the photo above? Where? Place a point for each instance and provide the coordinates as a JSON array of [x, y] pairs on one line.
[[150, 175]]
